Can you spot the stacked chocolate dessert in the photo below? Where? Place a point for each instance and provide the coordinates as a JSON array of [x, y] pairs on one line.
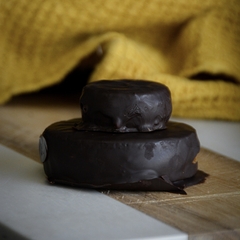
[[124, 140]]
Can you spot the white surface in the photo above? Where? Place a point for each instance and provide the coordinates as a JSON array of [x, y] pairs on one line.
[[32, 209], [219, 136]]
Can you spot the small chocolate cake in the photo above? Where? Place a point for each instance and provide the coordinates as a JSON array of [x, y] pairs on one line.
[[123, 141], [120, 161], [125, 106]]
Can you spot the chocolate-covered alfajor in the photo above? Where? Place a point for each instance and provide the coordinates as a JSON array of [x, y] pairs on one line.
[[125, 106], [123, 141]]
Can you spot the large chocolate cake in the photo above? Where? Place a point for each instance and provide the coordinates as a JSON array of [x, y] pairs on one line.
[[124, 141]]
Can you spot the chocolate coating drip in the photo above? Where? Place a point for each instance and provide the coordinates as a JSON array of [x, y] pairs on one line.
[[144, 161], [125, 106]]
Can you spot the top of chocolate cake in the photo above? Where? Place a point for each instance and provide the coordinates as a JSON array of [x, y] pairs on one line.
[[125, 106]]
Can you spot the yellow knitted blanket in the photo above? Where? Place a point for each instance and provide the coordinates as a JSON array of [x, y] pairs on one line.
[[191, 46]]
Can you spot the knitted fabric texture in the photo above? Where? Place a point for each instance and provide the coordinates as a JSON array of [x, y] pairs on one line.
[[191, 46]]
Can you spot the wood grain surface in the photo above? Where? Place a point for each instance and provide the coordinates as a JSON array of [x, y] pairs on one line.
[[209, 211]]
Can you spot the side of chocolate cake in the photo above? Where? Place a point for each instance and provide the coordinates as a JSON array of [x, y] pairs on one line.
[[101, 159]]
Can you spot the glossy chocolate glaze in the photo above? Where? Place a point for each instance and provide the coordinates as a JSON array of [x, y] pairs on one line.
[[125, 106], [139, 161]]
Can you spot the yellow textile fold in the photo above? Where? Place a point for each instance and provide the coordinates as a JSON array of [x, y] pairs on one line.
[[191, 46]]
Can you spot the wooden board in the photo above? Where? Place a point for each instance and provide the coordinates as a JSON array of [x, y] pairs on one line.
[[209, 211]]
